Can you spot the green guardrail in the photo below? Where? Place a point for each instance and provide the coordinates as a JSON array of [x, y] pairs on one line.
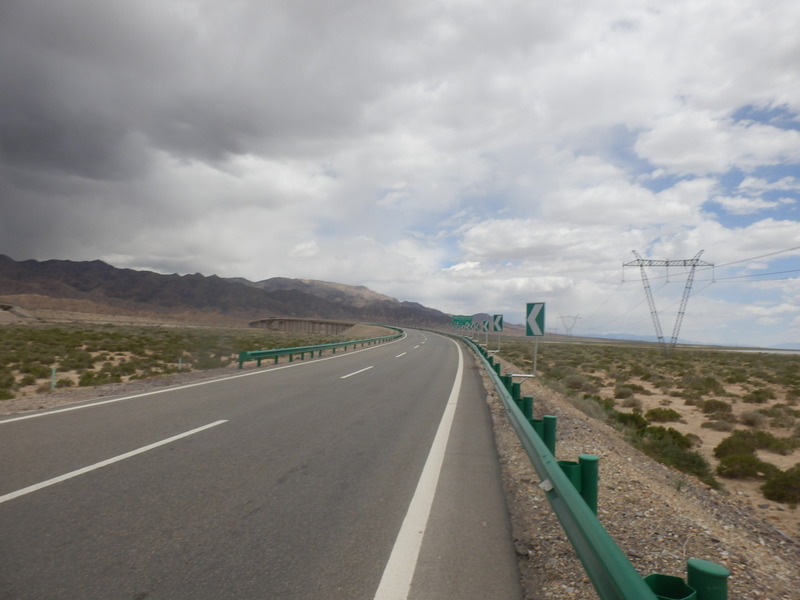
[[609, 570], [302, 351]]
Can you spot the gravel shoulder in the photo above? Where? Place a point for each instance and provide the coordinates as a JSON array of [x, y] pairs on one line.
[[659, 517]]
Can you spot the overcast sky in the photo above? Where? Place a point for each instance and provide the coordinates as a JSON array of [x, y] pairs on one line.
[[470, 155]]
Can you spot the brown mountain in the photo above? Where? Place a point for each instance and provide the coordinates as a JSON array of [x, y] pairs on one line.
[[128, 291]]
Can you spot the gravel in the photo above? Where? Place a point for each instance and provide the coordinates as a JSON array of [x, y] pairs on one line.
[[658, 516]]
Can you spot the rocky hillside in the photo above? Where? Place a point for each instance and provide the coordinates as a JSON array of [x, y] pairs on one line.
[[144, 292]]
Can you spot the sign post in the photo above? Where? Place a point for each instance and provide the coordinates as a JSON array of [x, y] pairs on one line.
[[534, 326], [497, 325]]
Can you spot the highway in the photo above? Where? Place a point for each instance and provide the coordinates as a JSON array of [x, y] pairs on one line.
[[369, 474]]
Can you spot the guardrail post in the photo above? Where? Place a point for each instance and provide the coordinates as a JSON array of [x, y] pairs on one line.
[[669, 587], [497, 368], [527, 407], [538, 427], [588, 464], [709, 579], [549, 432], [573, 471], [516, 392]]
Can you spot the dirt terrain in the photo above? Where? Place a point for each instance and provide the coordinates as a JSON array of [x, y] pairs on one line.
[[659, 517]]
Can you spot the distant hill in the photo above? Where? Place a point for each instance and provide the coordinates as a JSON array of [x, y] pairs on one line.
[[140, 292]]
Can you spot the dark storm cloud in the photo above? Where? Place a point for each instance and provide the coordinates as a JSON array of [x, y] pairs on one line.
[[90, 86]]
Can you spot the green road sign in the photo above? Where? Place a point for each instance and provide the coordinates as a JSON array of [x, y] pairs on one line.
[[462, 321], [534, 319], [497, 322]]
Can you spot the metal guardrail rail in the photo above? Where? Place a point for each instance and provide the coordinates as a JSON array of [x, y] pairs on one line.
[[276, 353], [610, 571]]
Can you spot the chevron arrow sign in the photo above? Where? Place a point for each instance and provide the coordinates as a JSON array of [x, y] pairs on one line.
[[497, 322], [534, 319]]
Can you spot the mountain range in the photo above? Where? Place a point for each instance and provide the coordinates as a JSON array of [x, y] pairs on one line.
[[65, 283]]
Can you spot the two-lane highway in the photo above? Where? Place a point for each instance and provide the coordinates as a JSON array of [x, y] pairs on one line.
[[292, 481]]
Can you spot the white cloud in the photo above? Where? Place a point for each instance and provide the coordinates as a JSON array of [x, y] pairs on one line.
[[465, 155], [740, 205], [701, 143]]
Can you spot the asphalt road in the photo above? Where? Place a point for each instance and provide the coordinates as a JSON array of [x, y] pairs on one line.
[[305, 481]]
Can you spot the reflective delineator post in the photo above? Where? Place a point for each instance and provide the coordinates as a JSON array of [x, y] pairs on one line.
[[709, 579], [549, 432], [589, 476]]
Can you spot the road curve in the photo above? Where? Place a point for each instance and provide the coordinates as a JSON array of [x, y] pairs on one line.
[[280, 482]]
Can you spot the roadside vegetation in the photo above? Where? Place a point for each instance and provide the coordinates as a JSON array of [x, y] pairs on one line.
[[99, 354], [711, 414]]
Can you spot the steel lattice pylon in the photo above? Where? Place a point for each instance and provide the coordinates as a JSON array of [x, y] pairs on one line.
[[689, 262]]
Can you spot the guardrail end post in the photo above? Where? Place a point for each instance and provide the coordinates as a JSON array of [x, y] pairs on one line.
[[549, 430], [709, 579], [589, 476]]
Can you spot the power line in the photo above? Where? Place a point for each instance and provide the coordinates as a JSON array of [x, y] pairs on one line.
[[751, 258], [755, 275], [762, 256]]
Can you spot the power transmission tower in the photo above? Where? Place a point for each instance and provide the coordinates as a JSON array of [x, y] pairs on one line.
[[689, 262], [568, 327]]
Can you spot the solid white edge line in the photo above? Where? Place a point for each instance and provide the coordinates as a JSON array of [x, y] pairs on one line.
[[356, 372], [399, 571], [105, 463], [191, 385]]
